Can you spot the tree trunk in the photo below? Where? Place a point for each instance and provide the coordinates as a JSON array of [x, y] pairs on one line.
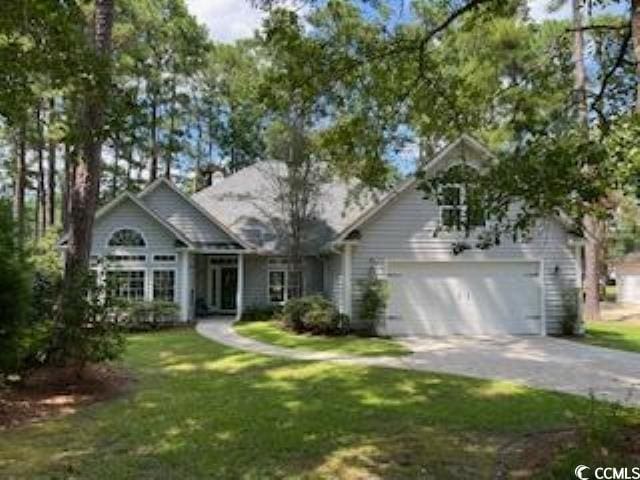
[[635, 35], [51, 170], [41, 209], [84, 192], [20, 181], [114, 176], [66, 186], [153, 160], [592, 230]]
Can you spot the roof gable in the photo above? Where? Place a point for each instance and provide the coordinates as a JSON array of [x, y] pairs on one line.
[[127, 196], [196, 223], [465, 149]]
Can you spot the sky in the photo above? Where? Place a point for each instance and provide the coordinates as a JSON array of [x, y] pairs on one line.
[[230, 20]]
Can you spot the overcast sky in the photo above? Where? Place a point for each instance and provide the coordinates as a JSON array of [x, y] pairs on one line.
[[229, 20]]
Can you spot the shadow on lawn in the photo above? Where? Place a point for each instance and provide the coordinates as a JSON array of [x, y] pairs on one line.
[[207, 411]]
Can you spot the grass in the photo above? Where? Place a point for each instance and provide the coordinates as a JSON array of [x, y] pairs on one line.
[[202, 410], [610, 334], [271, 332]]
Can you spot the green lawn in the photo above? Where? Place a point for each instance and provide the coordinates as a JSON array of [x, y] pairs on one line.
[[270, 332], [622, 336], [202, 410]]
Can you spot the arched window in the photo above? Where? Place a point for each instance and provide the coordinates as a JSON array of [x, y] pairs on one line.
[[126, 237]]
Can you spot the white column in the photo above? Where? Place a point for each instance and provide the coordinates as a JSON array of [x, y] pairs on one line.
[[185, 296], [346, 275], [240, 287]]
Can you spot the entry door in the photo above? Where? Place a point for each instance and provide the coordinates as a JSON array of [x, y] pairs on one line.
[[228, 287]]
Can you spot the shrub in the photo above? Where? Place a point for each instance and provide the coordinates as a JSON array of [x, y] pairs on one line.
[[314, 314], [260, 314], [570, 320], [85, 327], [147, 315], [374, 300], [15, 291]]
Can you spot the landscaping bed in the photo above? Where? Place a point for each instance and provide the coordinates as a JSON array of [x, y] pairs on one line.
[[274, 333], [50, 391]]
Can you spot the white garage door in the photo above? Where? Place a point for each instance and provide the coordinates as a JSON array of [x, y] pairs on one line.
[[464, 298], [628, 288]]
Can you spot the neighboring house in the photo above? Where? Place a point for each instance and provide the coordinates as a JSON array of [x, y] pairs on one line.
[[627, 271], [222, 251]]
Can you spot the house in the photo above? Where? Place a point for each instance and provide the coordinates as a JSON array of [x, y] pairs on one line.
[[222, 250], [627, 271]]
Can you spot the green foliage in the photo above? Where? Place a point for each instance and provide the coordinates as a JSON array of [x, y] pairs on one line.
[[146, 315], [314, 314], [260, 314], [375, 296], [86, 330], [570, 319], [15, 277]]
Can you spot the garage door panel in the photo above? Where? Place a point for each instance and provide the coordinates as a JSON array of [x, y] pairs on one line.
[[478, 298]]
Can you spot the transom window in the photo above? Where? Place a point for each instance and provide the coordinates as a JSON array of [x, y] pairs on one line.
[[164, 258], [284, 285], [126, 258], [126, 284], [127, 237], [164, 285]]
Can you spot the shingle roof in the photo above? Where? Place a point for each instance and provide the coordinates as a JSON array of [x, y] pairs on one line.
[[247, 203]]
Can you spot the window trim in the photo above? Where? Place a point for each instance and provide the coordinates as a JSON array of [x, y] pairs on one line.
[[461, 207], [125, 227], [285, 286], [152, 284], [126, 268]]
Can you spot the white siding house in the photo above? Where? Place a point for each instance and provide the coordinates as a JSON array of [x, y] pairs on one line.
[[223, 250]]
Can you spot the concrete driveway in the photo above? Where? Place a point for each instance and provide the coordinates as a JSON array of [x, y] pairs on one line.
[[542, 362]]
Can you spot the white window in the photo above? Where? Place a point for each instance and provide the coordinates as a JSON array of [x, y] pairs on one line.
[[284, 285], [164, 285], [452, 208], [127, 237], [458, 208], [126, 284]]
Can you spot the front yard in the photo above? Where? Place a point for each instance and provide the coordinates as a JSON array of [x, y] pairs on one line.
[[619, 328], [201, 410]]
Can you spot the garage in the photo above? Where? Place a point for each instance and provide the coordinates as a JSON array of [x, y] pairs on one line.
[[627, 271], [464, 298], [628, 289]]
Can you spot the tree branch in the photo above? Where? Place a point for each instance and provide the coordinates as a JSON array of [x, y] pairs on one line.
[[617, 64], [597, 27]]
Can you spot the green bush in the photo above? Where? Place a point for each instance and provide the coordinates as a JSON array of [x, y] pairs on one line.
[[570, 320], [260, 314], [147, 315], [374, 300], [85, 327], [15, 293], [314, 314]]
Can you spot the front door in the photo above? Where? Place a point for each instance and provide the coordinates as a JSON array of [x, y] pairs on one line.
[[228, 287]]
